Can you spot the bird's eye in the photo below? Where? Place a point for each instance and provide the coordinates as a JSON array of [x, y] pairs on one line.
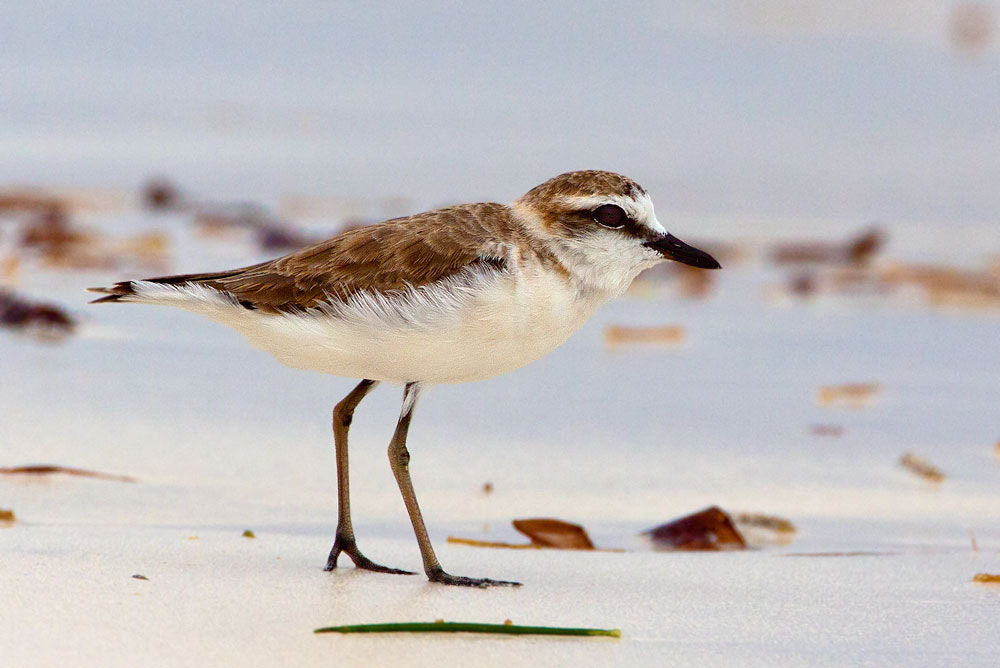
[[610, 215]]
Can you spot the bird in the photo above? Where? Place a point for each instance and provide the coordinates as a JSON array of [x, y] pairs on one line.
[[453, 295]]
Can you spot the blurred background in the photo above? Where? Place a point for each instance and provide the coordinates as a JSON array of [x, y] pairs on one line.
[[775, 107]]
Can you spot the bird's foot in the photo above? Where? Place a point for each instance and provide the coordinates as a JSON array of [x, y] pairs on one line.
[[445, 578], [348, 546]]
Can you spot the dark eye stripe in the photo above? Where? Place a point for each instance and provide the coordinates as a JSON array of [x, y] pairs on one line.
[[610, 215]]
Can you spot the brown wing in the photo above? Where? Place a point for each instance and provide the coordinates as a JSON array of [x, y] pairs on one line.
[[411, 251]]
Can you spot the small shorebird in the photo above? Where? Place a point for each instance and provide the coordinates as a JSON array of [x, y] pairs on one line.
[[459, 294]]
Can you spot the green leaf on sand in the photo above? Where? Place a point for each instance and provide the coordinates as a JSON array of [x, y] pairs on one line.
[[468, 627]]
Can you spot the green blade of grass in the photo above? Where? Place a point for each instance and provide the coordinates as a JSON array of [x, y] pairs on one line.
[[468, 627]]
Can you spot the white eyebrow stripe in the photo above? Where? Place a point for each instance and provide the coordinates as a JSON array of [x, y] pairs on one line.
[[639, 209]]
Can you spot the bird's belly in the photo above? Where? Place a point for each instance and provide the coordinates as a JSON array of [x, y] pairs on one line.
[[498, 327]]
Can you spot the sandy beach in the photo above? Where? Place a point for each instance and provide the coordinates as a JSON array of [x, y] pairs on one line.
[[840, 373]]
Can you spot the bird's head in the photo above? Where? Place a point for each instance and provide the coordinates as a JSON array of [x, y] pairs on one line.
[[602, 227]]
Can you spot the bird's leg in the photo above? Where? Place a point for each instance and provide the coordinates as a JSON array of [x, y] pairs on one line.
[[343, 413], [399, 459]]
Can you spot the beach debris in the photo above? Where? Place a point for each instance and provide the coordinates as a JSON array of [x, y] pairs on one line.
[[16, 201], [269, 232], [441, 626], [60, 243], [849, 281], [856, 281], [708, 529], [826, 429], [49, 469], [161, 194], [6, 515], [354, 211], [487, 487], [920, 466], [148, 249], [219, 220], [51, 232], [947, 286], [472, 542], [548, 532], [865, 245], [851, 394], [543, 532], [139, 576], [618, 335], [29, 201], [40, 320], [971, 26], [10, 269], [760, 530], [694, 283], [987, 578], [281, 237], [824, 267], [686, 281], [859, 249], [803, 284], [771, 522], [843, 281], [247, 533]]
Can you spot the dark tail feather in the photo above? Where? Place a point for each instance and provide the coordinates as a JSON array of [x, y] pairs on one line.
[[124, 288], [114, 293]]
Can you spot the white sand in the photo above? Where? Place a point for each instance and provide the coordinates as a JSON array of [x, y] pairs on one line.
[[223, 439]]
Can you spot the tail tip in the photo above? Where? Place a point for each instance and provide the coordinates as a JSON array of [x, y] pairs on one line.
[[113, 294]]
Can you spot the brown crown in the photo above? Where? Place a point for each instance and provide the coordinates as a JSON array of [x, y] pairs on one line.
[[584, 183]]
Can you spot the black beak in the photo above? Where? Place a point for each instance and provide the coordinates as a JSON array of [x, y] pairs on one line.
[[673, 248]]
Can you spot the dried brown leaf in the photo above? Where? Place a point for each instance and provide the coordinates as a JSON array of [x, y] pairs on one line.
[[708, 529], [921, 467], [854, 394], [547, 532], [617, 335]]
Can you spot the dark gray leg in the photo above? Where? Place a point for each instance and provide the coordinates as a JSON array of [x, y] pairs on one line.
[[343, 413], [399, 459]]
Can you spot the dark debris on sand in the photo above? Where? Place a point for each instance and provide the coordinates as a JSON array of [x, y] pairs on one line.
[[39, 320]]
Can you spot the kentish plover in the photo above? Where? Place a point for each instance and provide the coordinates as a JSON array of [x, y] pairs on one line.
[[459, 294]]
